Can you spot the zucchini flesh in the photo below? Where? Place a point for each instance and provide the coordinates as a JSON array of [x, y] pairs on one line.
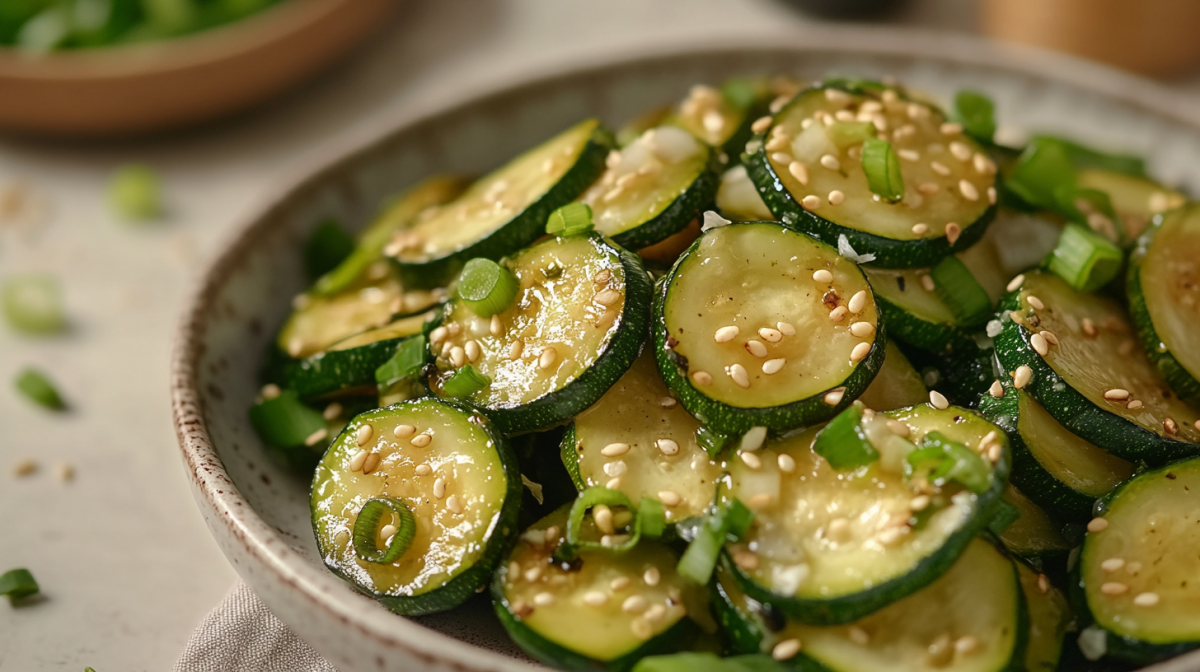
[[911, 232], [834, 546], [1164, 298], [652, 188], [506, 209], [978, 597], [1034, 534], [1050, 618], [1153, 525], [640, 412], [573, 330], [453, 552], [366, 303], [1091, 358], [738, 199], [753, 277], [896, 385], [573, 617], [1135, 199]]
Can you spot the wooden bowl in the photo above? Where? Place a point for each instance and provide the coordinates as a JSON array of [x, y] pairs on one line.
[[154, 87]]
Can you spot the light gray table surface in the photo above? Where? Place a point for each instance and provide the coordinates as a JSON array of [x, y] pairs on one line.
[[125, 562]]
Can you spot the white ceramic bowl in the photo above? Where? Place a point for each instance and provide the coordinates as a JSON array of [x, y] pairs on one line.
[[259, 512]]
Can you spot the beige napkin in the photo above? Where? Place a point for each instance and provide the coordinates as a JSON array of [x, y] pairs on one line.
[[242, 635]]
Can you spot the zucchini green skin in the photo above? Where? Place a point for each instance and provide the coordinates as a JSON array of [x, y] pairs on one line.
[[737, 420], [964, 371], [468, 582], [1177, 377], [676, 216], [1071, 408], [524, 228], [570, 458], [908, 328]]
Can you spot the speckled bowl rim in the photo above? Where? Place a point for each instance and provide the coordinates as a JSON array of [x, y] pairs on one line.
[[215, 491]]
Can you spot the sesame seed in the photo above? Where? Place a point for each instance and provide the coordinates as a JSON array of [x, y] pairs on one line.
[[966, 644], [761, 124], [811, 202], [799, 171], [837, 96], [859, 636], [634, 604], [1146, 599], [787, 464], [515, 350], [388, 531], [614, 449], [996, 390], [750, 460], [439, 488], [830, 161], [1015, 283], [494, 328], [916, 111], [1022, 377], [1089, 328], [753, 438], [1041, 347], [759, 501], [613, 484], [782, 157], [938, 400], [860, 352], [669, 498], [770, 335], [953, 231], [898, 428], [295, 347], [836, 197], [951, 128], [919, 503], [615, 468], [472, 351], [364, 434], [458, 357], [1113, 588], [421, 440], [822, 276], [612, 195], [271, 391], [438, 335], [332, 411], [454, 504], [968, 190], [984, 165], [620, 583], [607, 297], [655, 613], [547, 358], [1116, 394], [862, 329], [1035, 302], [543, 599], [909, 154], [359, 459], [595, 598], [778, 141], [1112, 564], [838, 314], [667, 447], [423, 470], [371, 463], [991, 195], [641, 628], [726, 334], [834, 396], [961, 151], [1097, 525], [920, 229], [786, 650], [534, 573], [891, 535], [939, 168], [1171, 426], [713, 121], [739, 375], [773, 366], [404, 431], [316, 437], [785, 328], [858, 301], [1043, 584], [701, 378], [651, 576], [667, 402], [1134, 405]]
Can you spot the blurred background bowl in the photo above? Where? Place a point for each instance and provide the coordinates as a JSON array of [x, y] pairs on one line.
[[159, 86]]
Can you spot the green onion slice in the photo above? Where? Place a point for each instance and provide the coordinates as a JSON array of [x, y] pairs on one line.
[[1085, 259], [847, 133], [407, 362], [941, 460], [741, 92], [135, 193], [882, 167], [651, 518], [571, 219], [714, 443], [1091, 208], [465, 382], [957, 287], [843, 443], [366, 529], [33, 303], [587, 500], [1042, 169], [327, 247], [729, 523], [285, 421], [486, 287], [708, 662], [977, 113], [1081, 156], [38, 389], [1005, 514], [17, 584]]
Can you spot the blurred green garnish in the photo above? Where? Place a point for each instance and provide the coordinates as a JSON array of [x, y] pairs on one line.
[[135, 193], [33, 303], [37, 388]]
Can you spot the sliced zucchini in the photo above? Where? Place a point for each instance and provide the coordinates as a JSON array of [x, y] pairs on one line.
[[896, 385], [1135, 199], [744, 335], [460, 485], [320, 321], [1164, 298], [815, 147], [348, 366], [575, 327], [604, 611], [1138, 565], [832, 546], [971, 618], [721, 117], [1091, 354], [1061, 472], [738, 199], [637, 439], [1049, 619], [652, 188], [962, 373], [504, 210], [1033, 535]]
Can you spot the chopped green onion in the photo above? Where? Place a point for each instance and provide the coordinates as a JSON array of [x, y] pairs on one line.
[[486, 287], [711, 441], [135, 193], [942, 460], [683, 662], [571, 219], [587, 500], [88, 669], [741, 92], [954, 284], [1005, 514], [33, 303], [18, 584], [285, 421], [1080, 205], [327, 247], [728, 523], [977, 113], [847, 133], [409, 359], [1082, 156], [882, 167], [1042, 169], [366, 529], [1085, 259], [38, 389], [736, 518], [651, 518], [465, 382], [842, 442]]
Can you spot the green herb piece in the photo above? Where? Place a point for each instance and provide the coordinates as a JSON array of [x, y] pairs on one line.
[[88, 669], [18, 584], [328, 246], [882, 168], [714, 443], [977, 114], [135, 193], [1042, 170], [285, 421], [587, 500], [741, 92], [408, 361], [651, 518], [842, 442], [572, 219], [941, 460], [465, 382], [848, 133], [486, 287], [1081, 156], [1005, 514], [955, 285], [37, 388], [1085, 259], [728, 523], [1091, 208], [33, 303], [856, 85], [366, 529]]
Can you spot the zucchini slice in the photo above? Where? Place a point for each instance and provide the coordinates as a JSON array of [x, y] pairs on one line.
[[1091, 354], [896, 385], [744, 334], [738, 199], [504, 210], [1136, 200], [603, 611], [320, 321], [814, 148], [832, 546], [972, 618], [1061, 472], [461, 486], [652, 188], [1049, 619], [638, 440], [1033, 535], [1138, 565], [575, 327], [721, 117], [1164, 298], [348, 366]]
